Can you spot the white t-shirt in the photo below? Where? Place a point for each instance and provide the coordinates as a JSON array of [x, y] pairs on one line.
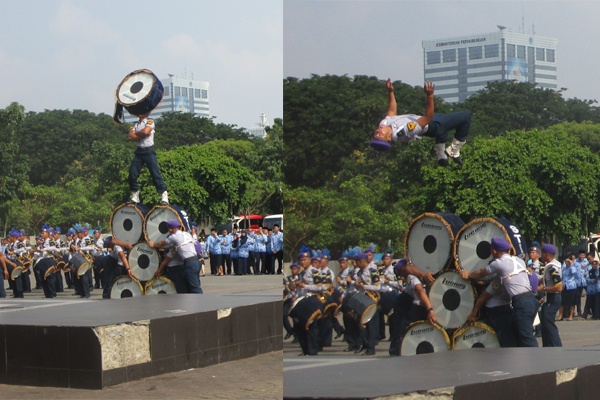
[[404, 127], [147, 141]]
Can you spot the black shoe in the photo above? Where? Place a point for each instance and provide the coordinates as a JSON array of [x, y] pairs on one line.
[[288, 335], [370, 352], [339, 335], [443, 162], [457, 160], [360, 349], [350, 348], [295, 340]]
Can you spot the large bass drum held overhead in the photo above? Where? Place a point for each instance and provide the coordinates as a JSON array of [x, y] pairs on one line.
[[139, 93]]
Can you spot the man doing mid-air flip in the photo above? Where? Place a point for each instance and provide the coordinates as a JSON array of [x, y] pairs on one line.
[[409, 127]]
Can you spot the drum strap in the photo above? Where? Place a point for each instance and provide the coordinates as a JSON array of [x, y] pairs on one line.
[[517, 268], [119, 116]]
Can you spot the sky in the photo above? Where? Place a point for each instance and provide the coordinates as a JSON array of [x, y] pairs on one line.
[[72, 54], [383, 38]]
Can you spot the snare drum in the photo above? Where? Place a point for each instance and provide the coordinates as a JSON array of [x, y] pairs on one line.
[[477, 335], [306, 310], [421, 338], [124, 286], [429, 240], [160, 285], [127, 222], [143, 261], [140, 92], [361, 307], [155, 225]]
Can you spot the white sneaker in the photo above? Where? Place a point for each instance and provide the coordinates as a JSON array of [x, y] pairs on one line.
[[135, 197], [165, 198]]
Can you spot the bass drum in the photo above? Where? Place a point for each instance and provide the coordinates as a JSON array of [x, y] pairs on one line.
[[362, 307], [473, 249], [429, 240], [124, 286], [140, 92], [306, 310], [79, 264], [452, 299], [155, 226], [478, 335], [143, 261], [160, 285], [421, 338], [127, 222]]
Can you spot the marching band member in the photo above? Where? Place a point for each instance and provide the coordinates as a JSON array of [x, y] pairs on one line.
[[58, 281], [96, 254], [290, 294], [308, 338], [46, 263], [12, 252], [24, 243], [325, 278], [114, 264]]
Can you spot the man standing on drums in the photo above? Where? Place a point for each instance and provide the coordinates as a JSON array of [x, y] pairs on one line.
[[409, 127], [142, 132], [512, 273]]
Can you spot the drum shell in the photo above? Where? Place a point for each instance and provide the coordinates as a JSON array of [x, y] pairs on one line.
[[159, 285], [155, 223], [143, 261], [361, 307], [149, 102], [127, 222], [434, 339], [429, 241], [452, 311], [306, 310], [472, 247], [124, 286], [79, 263], [477, 334], [46, 266]]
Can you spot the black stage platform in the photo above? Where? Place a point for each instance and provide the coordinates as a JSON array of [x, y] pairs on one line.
[[472, 374], [99, 343]]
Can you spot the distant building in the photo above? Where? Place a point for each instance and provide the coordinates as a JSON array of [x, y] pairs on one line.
[[260, 131], [181, 95], [461, 66]]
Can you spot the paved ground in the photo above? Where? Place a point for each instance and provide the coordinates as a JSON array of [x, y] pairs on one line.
[[258, 377]]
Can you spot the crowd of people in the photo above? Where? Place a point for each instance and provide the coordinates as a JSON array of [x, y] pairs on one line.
[[83, 261], [519, 297]]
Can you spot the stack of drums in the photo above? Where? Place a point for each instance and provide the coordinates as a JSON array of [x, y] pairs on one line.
[[441, 244], [137, 224]]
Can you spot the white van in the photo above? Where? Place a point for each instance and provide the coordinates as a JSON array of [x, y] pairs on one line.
[[270, 220]]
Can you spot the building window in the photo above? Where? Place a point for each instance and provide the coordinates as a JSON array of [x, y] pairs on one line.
[[204, 94], [540, 54], [166, 91], [475, 53], [184, 92], [521, 52], [449, 55], [177, 91], [492, 50], [550, 55], [197, 93], [510, 51], [433, 57]]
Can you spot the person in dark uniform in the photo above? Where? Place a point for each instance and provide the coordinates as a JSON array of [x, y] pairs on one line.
[[368, 280], [290, 295], [307, 336], [551, 286]]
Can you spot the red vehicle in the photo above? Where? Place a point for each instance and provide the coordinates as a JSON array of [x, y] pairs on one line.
[[249, 222]]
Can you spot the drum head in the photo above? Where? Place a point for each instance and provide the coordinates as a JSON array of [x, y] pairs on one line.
[[422, 338], [160, 285], [155, 226], [473, 249], [143, 261], [135, 87], [83, 268], [127, 222], [124, 286], [16, 272], [478, 335], [362, 308], [429, 240], [452, 299]]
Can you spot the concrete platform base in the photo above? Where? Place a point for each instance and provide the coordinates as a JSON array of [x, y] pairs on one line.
[[94, 344], [490, 374]]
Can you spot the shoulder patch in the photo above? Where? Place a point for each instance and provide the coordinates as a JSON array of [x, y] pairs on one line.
[[149, 122], [131, 127], [411, 125]]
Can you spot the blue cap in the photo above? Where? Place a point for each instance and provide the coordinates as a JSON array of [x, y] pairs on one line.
[[51, 230], [548, 248], [44, 228], [295, 265], [361, 256], [15, 233], [57, 229], [303, 253], [83, 229], [172, 224], [380, 145], [107, 240], [70, 231], [500, 244], [22, 232], [534, 248], [400, 265], [388, 253]]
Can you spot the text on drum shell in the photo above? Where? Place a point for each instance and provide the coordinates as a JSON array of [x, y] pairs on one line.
[[431, 226], [158, 284], [157, 214], [127, 212], [474, 334], [474, 231], [150, 252], [449, 282], [423, 330]]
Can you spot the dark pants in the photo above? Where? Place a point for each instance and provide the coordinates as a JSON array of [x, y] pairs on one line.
[[139, 159], [26, 281], [243, 266], [577, 299], [111, 271], [442, 123], [550, 336], [82, 285], [269, 263], [216, 260], [235, 263], [226, 262], [500, 318], [286, 319], [58, 282], [279, 257], [398, 323], [261, 259], [524, 309], [47, 279], [590, 306], [192, 274], [309, 339], [2, 290], [15, 285]]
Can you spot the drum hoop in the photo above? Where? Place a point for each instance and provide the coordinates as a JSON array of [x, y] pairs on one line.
[[80, 267], [437, 326], [364, 324], [313, 317], [375, 296], [138, 71], [512, 250], [12, 274], [444, 223], [145, 230], [49, 272], [158, 278], [133, 279], [478, 324], [329, 309]]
